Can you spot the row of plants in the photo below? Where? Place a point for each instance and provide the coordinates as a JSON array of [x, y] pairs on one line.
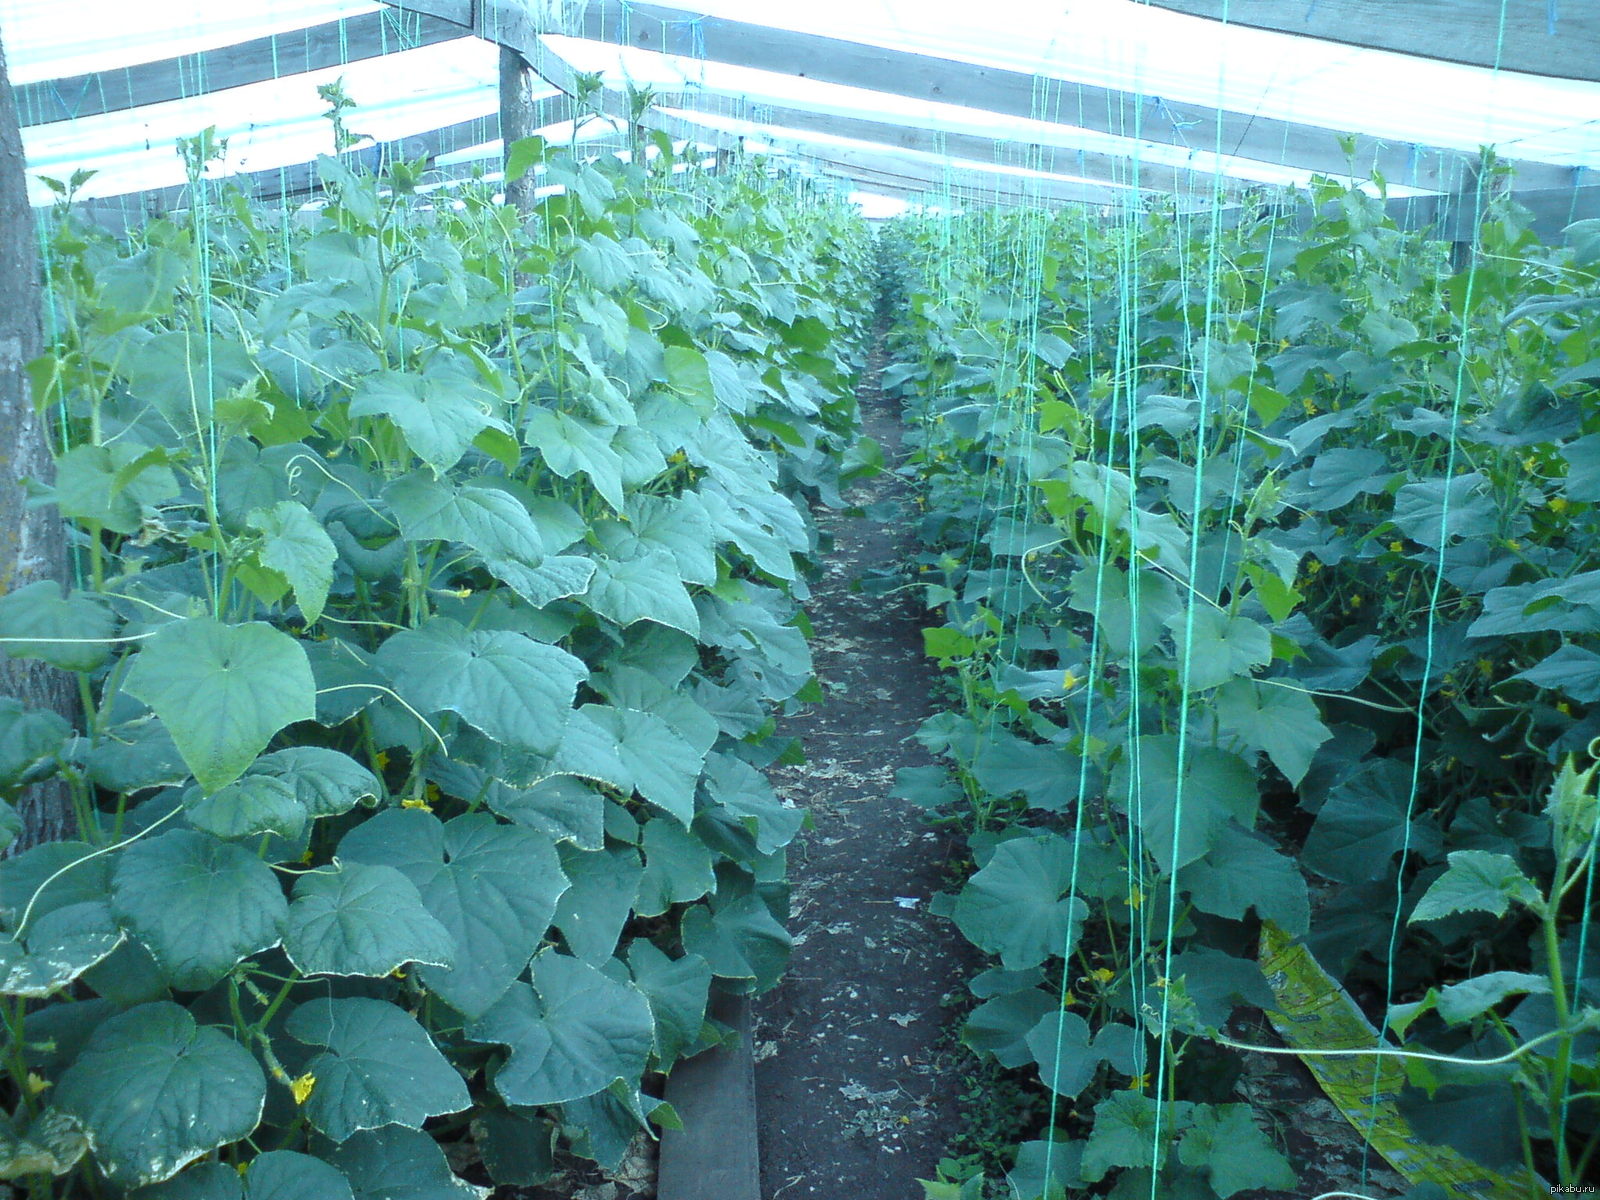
[[1262, 565], [440, 569]]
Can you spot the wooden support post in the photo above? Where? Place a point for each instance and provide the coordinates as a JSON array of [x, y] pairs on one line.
[[518, 119], [32, 542]]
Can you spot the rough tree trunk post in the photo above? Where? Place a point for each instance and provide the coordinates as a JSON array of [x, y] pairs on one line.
[[517, 120], [32, 544]]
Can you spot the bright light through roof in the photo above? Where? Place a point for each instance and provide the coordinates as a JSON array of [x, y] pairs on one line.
[[1174, 65]]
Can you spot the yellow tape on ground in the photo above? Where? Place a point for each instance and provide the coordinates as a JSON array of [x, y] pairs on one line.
[[1315, 1013]]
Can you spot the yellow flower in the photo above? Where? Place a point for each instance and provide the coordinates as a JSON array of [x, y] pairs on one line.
[[1068, 999], [1135, 898], [1068, 681], [461, 593], [1513, 544], [302, 1088], [1558, 504], [382, 759], [36, 1083], [1313, 566], [1564, 708], [1396, 547], [1138, 1083], [416, 802], [1102, 975], [677, 456], [1355, 601]]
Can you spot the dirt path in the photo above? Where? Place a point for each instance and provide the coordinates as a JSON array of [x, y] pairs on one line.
[[851, 1104]]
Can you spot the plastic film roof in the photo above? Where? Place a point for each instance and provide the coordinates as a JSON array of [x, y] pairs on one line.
[[1172, 67]]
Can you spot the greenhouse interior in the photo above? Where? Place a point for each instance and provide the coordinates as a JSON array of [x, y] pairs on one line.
[[864, 600]]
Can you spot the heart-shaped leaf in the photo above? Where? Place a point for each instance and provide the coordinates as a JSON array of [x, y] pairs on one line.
[[155, 1091], [200, 905], [378, 1067], [223, 691]]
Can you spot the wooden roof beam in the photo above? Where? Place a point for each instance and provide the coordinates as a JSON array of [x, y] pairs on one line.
[[315, 48], [1012, 93], [1537, 37], [1051, 159]]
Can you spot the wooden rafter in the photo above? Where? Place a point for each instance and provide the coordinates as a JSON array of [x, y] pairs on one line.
[[328, 45], [1015, 93], [1534, 36], [896, 133]]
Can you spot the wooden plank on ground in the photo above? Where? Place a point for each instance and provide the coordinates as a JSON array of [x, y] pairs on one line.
[[716, 1153]]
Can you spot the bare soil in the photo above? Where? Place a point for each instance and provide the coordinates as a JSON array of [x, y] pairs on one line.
[[851, 1099]]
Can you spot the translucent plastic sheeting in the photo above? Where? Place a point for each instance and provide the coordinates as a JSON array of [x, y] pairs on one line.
[[735, 97], [1189, 60], [50, 40], [268, 125]]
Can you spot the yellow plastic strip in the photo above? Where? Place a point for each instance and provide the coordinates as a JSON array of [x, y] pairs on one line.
[[1315, 1013]]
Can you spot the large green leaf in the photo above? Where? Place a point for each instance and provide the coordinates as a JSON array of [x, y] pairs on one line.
[[493, 523], [564, 809], [746, 796], [569, 1035], [1181, 813], [112, 484], [395, 1163], [69, 628], [30, 738], [60, 945], [1282, 722], [1226, 1142], [628, 686], [689, 376], [1017, 906], [493, 887], [1215, 647], [1476, 881], [1059, 1043], [592, 912], [1571, 670], [286, 1175], [198, 904], [677, 868], [362, 919], [1469, 999], [155, 1091], [250, 805], [325, 782], [1001, 1024], [570, 446], [737, 934], [678, 525], [677, 990], [223, 691], [659, 764], [1437, 511], [1047, 775], [645, 588], [516, 690], [296, 546], [1243, 870], [1363, 825], [1125, 1131], [439, 415], [378, 1067], [50, 1144]]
